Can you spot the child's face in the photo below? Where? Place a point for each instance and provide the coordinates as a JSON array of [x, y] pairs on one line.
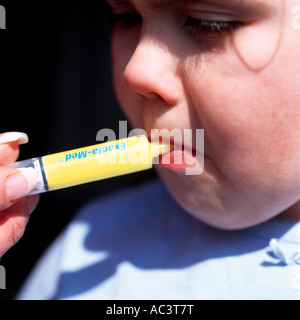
[[237, 81]]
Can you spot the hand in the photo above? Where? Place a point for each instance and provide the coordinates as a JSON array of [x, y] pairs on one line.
[[15, 208]]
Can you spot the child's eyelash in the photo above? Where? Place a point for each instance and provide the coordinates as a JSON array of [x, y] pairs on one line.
[[210, 29], [196, 27]]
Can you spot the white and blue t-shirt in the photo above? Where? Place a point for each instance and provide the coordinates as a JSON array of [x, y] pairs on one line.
[[139, 244]]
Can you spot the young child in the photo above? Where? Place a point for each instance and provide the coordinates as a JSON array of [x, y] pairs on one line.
[[233, 232]]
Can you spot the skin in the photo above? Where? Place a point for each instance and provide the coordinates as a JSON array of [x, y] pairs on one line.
[[241, 88], [245, 96], [14, 215]]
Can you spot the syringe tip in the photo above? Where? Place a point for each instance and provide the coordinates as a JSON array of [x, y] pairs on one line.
[[160, 148]]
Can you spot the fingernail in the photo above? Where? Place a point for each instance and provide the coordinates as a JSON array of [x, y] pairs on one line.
[[21, 184], [20, 137]]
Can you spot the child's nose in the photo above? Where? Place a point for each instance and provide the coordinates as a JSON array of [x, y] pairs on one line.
[[153, 72]]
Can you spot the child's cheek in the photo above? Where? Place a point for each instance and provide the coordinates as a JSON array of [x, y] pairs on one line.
[[248, 126]]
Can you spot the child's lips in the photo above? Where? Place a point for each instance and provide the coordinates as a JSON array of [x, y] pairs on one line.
[[181, 156], [178, 158]]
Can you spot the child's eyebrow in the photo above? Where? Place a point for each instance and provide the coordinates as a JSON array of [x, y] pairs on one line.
[[152, 4], [254, 6]]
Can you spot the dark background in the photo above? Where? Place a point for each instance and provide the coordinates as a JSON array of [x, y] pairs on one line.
[[55, 85]]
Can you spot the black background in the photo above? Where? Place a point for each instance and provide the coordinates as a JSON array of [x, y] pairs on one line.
[[55, 85]]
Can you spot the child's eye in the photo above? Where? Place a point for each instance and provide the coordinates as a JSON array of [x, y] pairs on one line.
[[126, 19], [210, 29]]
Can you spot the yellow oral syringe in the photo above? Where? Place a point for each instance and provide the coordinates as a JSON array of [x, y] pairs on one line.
[[97, 162]]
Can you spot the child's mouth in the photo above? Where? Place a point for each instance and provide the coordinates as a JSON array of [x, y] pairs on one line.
[[178, 158], [183, 152]]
